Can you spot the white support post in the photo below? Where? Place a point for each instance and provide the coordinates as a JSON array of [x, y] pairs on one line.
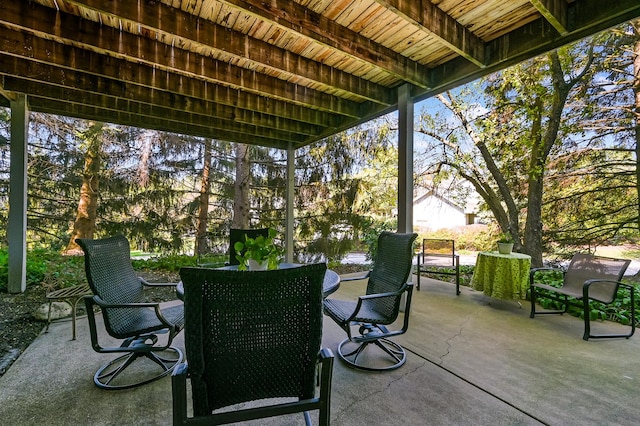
[[17, 221], [405, 159], [289, 221]]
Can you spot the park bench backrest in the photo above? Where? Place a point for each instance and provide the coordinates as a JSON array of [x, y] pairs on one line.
[[585, 267]]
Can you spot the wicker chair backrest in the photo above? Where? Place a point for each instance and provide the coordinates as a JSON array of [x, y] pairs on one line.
[[111, 276], [588, 267], [251, 335], [391, 271]]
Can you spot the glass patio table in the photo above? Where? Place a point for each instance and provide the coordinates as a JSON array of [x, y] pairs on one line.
[[330, 284], [502, 276]]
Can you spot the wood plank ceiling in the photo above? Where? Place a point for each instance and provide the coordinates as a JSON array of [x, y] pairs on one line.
[[277, 73]]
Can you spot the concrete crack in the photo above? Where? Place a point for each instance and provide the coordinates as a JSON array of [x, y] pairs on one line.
[[450, 339], [363, 398]]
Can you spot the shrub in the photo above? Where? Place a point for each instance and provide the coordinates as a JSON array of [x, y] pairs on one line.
[[46, 267], [472, 237], [171, 262], [372, 231], [53, 270]]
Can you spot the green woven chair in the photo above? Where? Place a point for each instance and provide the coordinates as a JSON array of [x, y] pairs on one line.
[[118, 292], [250, 336], [378, 308]]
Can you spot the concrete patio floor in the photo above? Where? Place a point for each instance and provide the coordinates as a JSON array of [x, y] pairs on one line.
[[472, 360]]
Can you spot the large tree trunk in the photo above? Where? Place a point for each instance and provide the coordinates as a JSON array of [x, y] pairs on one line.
[[241, 207], [85, 224], [145, 156], [532, 241], [202, 245], [540, 154]]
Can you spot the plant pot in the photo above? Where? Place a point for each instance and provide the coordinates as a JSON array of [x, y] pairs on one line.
[[505, 248], [254, 265]]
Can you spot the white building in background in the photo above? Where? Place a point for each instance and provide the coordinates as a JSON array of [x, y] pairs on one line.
[[432, 212]]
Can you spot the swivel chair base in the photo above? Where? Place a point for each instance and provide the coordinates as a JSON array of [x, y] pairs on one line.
[[110, 376], [369, 334]]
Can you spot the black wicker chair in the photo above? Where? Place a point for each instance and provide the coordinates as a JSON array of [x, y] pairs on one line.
[[380, 306], [119, 294], [249, 336], [587, 278]]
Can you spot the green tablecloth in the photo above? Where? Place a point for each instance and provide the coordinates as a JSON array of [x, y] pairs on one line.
[[503, 276]]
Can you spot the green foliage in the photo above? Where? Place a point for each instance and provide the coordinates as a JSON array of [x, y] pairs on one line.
[[332, 248], [345, 183], [372, 232], [471, 238], [466, 273], [47, 268], [4, 272], [505, 237], [259, 249], [54, 271], [571, 112], [167, 262]]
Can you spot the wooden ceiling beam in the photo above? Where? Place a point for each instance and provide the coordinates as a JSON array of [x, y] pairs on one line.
[[6, 96], [113, 105], [207, 100], [46, 52], [555, 12], [157, 56], [177, 71], [212, 36], [53, 106], [291, 16], [433, 20]]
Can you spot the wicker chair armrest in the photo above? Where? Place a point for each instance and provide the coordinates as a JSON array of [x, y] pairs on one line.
[[98, 301], [356, 278], [139, 305], [369, 297], [325, 353], [149, 284], [381, 295], [325, 372]]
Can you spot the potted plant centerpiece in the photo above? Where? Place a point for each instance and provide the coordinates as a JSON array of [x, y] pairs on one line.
[[258, 254], [505, 243]]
